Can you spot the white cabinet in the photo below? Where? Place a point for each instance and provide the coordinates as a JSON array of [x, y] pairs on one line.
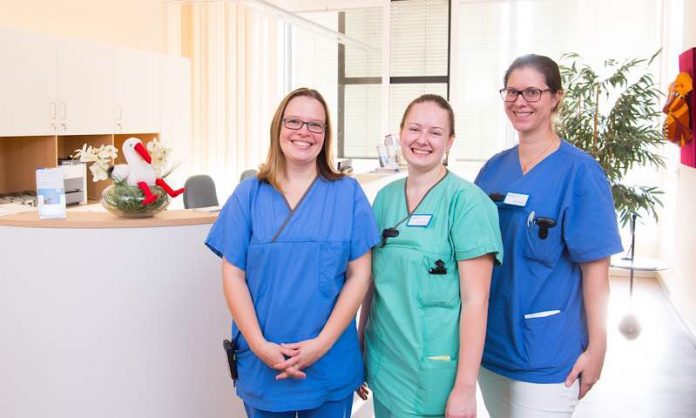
[[137, 104], [175, 99], [85, 88], [28, 84]]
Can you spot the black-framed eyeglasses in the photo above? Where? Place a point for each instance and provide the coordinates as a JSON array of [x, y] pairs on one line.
[[296, 124], [531, 94]]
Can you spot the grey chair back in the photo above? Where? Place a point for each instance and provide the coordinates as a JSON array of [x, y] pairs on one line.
[[247, 173], [200, 192]]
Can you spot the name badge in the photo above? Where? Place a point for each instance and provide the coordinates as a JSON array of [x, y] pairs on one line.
[[419, 220], [516, 199]]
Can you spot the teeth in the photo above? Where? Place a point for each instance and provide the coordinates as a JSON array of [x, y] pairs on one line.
[[302, 144], [421, 152]]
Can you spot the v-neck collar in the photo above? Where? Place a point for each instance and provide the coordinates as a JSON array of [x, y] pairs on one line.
[[424, 196], [519, 164], [292, 210]]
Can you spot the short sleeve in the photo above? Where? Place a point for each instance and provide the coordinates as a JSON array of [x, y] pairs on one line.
[[475, 229], [364, 233], [590, 229], [230, 235]]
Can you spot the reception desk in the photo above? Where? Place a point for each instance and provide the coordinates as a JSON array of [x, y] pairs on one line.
[[108, 317]]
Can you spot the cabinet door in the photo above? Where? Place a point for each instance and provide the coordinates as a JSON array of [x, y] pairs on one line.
[[85, 88], [27, 84], [137, 91], [175, 99]]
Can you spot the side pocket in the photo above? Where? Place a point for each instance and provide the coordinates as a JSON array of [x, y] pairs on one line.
[[438, 289], [436, 382], [544, 339], [333, 262]]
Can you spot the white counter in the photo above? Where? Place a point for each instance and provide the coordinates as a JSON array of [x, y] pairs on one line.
[[112, 322]]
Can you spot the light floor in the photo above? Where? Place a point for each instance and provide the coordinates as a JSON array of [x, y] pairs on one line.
[[652, 376]]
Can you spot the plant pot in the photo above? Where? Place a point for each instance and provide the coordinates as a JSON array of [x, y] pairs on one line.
[[127, 201]]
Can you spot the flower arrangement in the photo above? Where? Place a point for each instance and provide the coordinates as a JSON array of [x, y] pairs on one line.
[[131, 195], [103, 156]]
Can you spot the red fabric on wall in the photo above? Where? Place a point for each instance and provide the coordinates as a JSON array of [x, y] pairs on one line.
[[687, 63]]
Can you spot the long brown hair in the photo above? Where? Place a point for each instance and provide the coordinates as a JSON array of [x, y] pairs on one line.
[[273, 169]]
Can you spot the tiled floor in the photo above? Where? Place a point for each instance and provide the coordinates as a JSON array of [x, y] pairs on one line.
[[652, 376]]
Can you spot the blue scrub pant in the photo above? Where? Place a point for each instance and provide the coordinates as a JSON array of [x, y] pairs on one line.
[[337, 409]]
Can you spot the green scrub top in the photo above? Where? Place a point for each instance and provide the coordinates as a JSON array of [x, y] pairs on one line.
[[412, 336]]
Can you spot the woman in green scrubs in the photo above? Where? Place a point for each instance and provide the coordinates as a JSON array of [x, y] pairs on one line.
[[425, 326]]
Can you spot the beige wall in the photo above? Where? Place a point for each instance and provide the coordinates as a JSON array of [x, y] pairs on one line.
[[138, 24]]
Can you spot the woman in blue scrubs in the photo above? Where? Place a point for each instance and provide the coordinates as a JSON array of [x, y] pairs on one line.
[[295, 245], [546, 335], [432, 271]]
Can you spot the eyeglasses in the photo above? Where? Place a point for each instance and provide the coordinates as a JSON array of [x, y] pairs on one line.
[[530, 94], [296, 125]]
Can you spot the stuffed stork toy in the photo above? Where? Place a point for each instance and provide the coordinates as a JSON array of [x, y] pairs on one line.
[[139, 171]]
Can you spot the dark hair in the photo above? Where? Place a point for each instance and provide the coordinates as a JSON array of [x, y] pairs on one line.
[[274, 167], [544, 65], [434, 98]]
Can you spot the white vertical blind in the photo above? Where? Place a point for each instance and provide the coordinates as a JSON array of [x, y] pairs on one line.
[[493, 33]]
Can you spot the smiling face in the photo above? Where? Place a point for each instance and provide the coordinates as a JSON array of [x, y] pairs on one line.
[[301, 146], [536, 117], [426, 135]]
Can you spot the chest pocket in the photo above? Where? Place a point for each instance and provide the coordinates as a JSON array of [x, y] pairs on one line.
[[438, 281], [544, 248]]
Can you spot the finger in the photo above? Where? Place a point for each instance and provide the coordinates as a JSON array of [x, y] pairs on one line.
[[291, 362], [294, 346], [295, 374], [362, 395], [282, 376], [288, 352], [584, 388], [572, 376]]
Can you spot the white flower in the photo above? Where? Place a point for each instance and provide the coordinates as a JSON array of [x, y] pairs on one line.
[[103, 156]]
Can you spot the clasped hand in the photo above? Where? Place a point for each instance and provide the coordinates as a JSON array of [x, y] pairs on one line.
[[291, 358]]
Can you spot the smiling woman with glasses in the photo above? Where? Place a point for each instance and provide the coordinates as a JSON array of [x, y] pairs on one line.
[[546, 333], [295, 243]]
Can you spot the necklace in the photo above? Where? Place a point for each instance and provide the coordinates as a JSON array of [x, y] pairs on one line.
[[526, 166]]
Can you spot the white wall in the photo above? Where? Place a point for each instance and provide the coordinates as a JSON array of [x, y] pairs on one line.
[[138, 24], [680, 279]]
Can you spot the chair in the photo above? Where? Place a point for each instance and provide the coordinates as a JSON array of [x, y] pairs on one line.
[[200, 192], [247, 173]]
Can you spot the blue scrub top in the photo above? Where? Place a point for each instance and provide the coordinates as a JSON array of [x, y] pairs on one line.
[[295, 264], [536, 321]]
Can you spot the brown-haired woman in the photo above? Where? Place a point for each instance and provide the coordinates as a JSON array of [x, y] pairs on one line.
[[546, 320], [295, 243]]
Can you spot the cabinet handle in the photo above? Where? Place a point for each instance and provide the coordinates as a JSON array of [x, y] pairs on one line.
[[119, 113], [52, 111], [63, 111]]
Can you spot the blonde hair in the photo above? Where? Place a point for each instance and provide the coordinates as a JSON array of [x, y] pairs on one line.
[[273, 169]]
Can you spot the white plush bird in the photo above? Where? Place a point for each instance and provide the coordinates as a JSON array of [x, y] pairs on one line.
[[139, 172]]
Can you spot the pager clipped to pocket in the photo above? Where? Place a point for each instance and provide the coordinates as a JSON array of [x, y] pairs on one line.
[[231, 358]]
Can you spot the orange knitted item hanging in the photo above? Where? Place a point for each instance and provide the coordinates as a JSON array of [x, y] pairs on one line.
[[676, 126]]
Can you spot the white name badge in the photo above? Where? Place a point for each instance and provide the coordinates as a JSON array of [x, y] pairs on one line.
[[419, 220], [516, 199]]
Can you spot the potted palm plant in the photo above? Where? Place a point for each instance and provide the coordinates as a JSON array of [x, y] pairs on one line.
[[614, 115]]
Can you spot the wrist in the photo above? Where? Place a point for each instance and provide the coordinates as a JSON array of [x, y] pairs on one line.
[[464, 388], [255, 344]]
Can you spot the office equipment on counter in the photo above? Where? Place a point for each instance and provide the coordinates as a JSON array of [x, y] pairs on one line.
[[75, 181]]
